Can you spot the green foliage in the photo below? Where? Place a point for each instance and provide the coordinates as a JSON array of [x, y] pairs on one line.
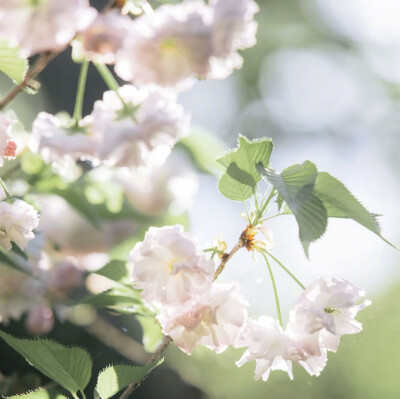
[[41, 393], [6, 260], [236, 184], [71, 367], [116, 377], [121, 299], [117, 270], [248, 155], [152, 334], [11, 62], [296, 186]]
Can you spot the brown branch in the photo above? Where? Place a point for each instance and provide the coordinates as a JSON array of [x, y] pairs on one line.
[[41, 63], [156, 356]]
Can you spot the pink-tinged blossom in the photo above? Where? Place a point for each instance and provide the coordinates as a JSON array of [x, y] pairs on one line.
[[17, 221], [59, 144], [39, 320], [214, 319], [105, 36], [328, 303], [7, 145], [141, 130], [168, 47], [44, 25], [170, 267], [189, 40], [275, 349]]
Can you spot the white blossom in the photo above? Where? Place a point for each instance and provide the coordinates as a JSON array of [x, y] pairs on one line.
[[214, 319], [39, 320], [43, 25], [328, 303], [60, 144], [141, 130], [7, 145], [105, 36], [170, 267], [189, 40], [17, 220], [168, 47], [276, 349]]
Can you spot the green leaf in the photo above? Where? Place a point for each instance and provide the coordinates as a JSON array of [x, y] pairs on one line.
[[117, 270], [41, 393], [296, 185], [17, 250], [69, 367], [236, 184], [341, 203], [152, 334], [203, 148], [116, 377], [122, 299], [11, 62], [248, 154]]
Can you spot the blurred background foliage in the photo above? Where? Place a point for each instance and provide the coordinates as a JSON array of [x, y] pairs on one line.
[[323, 82]]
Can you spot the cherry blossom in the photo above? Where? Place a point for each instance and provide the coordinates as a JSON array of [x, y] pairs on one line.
[[105, 36], [328, 303], [60, 143], [137, 127], [168, 47], [214, 319], [39, 320], [7, 145], [17, 220], [276, 349], [189, 40], [170, 267], [43, 25]]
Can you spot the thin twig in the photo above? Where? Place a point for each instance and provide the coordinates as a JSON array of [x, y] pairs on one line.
[[41, 63], [156, 356]]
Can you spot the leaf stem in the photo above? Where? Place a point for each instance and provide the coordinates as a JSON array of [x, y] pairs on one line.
[[286, 270], [107, 76], [3, 185], [264, 207], [83, 394], [278, 308], [77, 116]]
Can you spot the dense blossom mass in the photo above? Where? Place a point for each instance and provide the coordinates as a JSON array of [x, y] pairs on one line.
[[43, 25], [189, 40]]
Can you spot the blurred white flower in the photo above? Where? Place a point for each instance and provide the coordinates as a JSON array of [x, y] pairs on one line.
[[153, 190], [59, 144], [64, 276], [141, 130], [17, 220], [214, 319], [43, 25], [276, 349], [39, 320], [170, 267], [105, 36], [168, 47], [234, 29], [328, 303], [7, 145], [189, 40]]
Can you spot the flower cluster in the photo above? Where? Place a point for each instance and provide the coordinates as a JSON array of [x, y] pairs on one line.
[[180, 42], [324, 312], [176, 281], [131, 127]]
